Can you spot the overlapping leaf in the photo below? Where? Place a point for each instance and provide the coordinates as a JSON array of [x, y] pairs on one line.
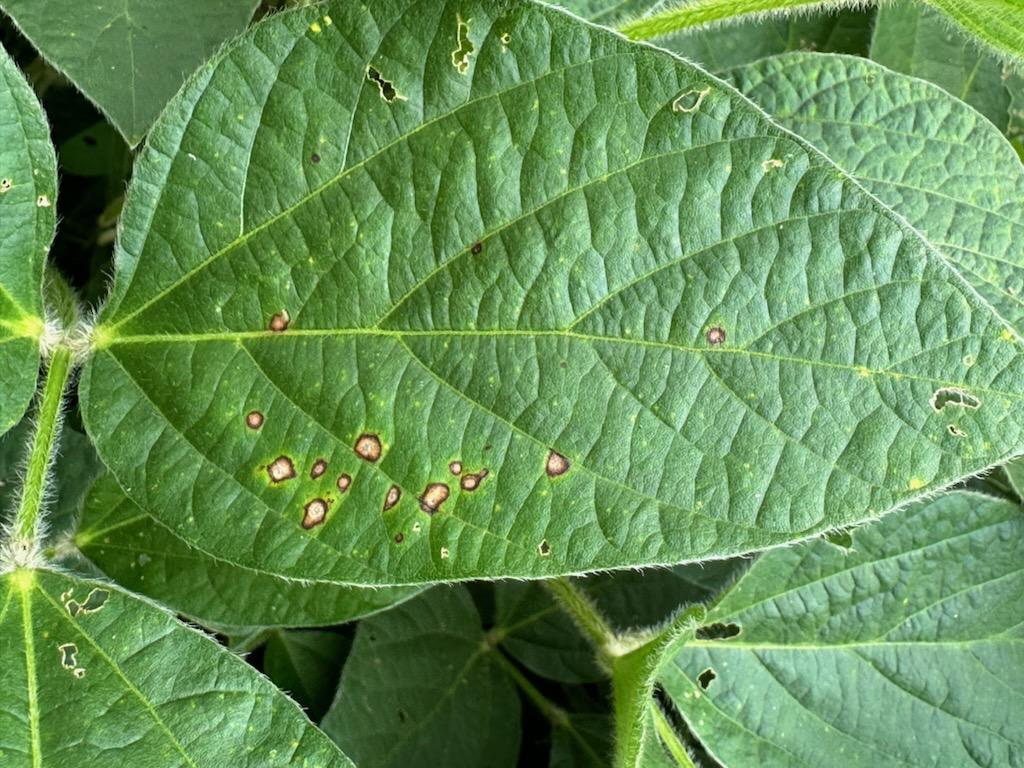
[[936, 161], [491, 237], [28, 191], [128, 57], [421, 687], [132, 548], [93, 677], [905, 650]]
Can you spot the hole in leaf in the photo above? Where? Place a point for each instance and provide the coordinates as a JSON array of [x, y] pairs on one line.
[[841, 539], [68, 652], [691, 100], [95, 600], [386, 87], [718, 631], [464, 52], [704, 678], [953, 396], [544, 549]]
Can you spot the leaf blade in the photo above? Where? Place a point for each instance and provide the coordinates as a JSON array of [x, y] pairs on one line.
[[929, 596], [476, 343], [81, 659], [28, 196]]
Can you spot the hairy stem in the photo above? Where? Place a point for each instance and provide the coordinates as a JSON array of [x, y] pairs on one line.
[[702, 12], [670, 739], [44, 438], [583, 611]]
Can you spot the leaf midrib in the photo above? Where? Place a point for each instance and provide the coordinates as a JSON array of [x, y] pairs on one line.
[[239, 336]]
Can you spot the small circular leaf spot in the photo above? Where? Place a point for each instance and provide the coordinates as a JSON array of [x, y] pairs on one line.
[[716, 336], [254, 420]]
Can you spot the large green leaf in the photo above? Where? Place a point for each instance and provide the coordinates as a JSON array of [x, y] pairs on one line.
[[128, 545], [919, 41], [667, 329], [94, 677], [307, 664], [128, 57], [935, 160], [28, 192], [995, 24], [906, 649], [421, 688]]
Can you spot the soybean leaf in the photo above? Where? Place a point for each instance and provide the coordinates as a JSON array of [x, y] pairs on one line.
[[537, 632], [28, 192], [995, 24], [584, 742], [1015, 474], [129, 57], [664, 327], [850, 656], [918, 41], [306, 664], [93, 676], [421, 688], [935, 160], [718, 48], [128, 545]]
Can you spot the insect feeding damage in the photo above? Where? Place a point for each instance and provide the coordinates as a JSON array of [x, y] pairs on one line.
[[953, 396], [434, 495], [544, 549], [69, 659], [557, 464], [281, 469], [95, 600], [5, 185], [691, 100], [368, 447], [315, 512], [464, 48], [386, 87]]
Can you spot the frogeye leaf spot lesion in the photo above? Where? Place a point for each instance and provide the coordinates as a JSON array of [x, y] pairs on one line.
[[318, 469], [455, 467], [368, 447], [344, 482], [254, 420], [471, 481], [557, 464], [716, 336], [315, 512], [281, 469], [280, 321], [394, 494], [434, 495]]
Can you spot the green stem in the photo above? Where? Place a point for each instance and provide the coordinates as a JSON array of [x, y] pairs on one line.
[[551, 711], [44, 438], [583, 611], [702, 12], [633, 679], [670, 739]]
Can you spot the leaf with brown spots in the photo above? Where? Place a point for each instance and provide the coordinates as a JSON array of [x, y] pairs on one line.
[[580, 331]]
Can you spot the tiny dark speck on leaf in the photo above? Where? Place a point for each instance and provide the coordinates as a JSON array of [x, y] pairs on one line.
[[399, 537], [477, 248], [716, 336], [315, 157]]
